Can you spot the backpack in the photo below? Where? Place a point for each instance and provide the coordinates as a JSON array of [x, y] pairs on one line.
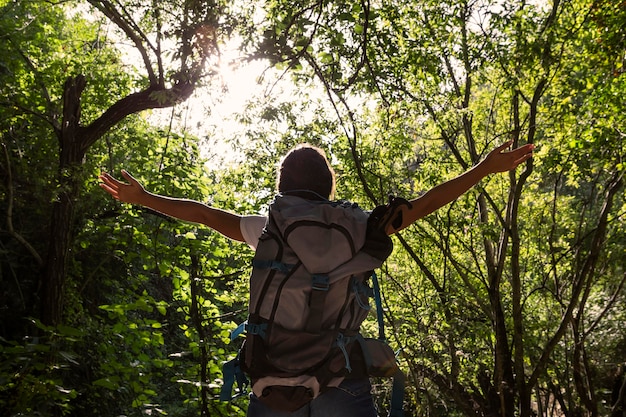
[[309, 294]]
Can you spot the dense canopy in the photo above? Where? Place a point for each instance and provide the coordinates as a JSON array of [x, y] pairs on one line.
[[510, 301]]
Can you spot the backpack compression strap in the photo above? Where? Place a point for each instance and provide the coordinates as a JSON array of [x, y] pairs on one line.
[[320, 284]]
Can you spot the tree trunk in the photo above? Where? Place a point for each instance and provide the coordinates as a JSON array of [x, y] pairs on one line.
[[74, 142], [71, 157]]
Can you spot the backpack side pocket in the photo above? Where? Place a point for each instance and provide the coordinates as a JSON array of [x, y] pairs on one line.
[[375, 357]]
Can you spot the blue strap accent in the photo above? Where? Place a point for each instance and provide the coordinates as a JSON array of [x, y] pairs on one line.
[[232, 373], [397, 395], [251, 328], [320, 282], [397, 390], [379, 307], [258, 329], [228, 371], [239, 330]]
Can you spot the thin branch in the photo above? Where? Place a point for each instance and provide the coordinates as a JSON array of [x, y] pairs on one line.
[[127, 25], [586, 270], [363, 60], [9, 219], [607, 308]]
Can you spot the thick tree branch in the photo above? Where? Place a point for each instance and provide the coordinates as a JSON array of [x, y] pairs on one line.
[[151, 98]]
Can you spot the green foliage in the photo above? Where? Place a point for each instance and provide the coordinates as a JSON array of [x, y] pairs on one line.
[[159, 334], [519, 283], [32, 371], [495, 289], [128, 283], [41, 53]]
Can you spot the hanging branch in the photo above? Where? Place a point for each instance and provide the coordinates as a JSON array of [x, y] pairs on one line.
[[9, 218], [196, 319], [333, 97]]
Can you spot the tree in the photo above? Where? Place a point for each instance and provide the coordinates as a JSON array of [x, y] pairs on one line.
[[507, 302], [58, 131], [174, 44]]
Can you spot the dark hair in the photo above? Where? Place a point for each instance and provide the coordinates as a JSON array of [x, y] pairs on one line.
[[305, 168]]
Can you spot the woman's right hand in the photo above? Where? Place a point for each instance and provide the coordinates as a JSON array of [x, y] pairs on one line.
[[131, 192], [228, 224]]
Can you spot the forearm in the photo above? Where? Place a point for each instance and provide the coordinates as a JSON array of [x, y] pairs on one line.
[[193, 211], [444, 194], [498, 160], [450, 190]]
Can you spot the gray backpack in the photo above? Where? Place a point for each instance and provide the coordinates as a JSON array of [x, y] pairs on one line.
[[309, 294]]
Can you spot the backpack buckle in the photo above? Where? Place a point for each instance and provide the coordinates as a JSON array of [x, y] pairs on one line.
[[257, 329]]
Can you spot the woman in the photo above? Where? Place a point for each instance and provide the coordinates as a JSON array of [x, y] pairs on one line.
[[305, 172]]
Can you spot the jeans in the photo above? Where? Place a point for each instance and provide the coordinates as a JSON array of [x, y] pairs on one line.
[[352, 398]]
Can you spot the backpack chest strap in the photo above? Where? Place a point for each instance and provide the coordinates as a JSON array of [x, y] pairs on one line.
[[275, 265], [249, 328]]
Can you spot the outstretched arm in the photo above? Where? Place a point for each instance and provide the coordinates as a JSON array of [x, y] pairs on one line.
[[498, 160], [189, 210]]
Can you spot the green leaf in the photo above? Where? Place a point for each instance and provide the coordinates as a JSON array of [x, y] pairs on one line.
[[111, 383]]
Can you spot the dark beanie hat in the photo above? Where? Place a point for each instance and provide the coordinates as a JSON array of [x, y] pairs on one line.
[[305, 168]]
